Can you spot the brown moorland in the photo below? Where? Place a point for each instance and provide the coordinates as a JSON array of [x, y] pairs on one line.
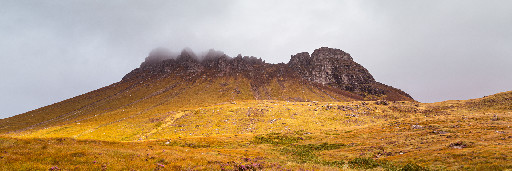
[[190, 114]]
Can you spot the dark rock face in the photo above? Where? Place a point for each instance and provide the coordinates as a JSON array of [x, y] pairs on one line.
[[332, 67], [325, 66], [187, 63]]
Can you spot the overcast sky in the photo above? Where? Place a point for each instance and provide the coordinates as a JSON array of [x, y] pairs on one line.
[[434, 50]]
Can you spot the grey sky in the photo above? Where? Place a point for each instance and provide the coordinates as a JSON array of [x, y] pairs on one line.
[[435, 50]]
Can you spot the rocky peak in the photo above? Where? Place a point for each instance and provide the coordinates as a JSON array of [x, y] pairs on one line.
[[160, 62], [330, 53], [326, 66], [187, 56], [332, 67]]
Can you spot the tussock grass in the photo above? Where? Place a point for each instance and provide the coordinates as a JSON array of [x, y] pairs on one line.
[[260, 134]]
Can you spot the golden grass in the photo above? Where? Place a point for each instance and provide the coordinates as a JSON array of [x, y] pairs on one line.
[[225, 123], [448, 135]]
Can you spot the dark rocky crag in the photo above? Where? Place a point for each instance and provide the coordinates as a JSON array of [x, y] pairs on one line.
[[327, 67], [336, 68]]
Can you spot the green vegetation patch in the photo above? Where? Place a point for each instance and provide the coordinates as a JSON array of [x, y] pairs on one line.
[[276, 139], [363, 163], [302, 153], [413, 167], [306, 153], [369, 163], [187, 144]]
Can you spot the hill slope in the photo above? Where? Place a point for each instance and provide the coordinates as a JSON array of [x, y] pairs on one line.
[[277, 135], [318, 112], [500, 101], [164, 85]]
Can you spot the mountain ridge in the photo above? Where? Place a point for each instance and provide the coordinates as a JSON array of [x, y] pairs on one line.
[[164, 84], [326, 66]]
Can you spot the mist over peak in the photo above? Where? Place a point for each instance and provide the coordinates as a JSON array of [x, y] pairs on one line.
[[160, 54], [212, 54]]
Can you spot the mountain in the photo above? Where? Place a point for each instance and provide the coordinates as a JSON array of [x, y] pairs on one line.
[[327, 69], [320, 111], [167, 83]]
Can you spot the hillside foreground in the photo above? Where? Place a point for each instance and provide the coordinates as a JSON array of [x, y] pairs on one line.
[[281, 135]]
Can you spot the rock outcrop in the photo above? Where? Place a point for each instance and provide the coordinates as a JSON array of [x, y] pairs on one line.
[[333, 67], [327, 67], [187, 62]]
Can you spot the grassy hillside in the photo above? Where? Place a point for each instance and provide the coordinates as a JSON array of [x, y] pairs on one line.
[[275, 135], [237, 122], [134, 106], [500, 101]]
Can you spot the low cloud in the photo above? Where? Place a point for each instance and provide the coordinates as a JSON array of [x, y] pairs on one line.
[[160, 54]]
